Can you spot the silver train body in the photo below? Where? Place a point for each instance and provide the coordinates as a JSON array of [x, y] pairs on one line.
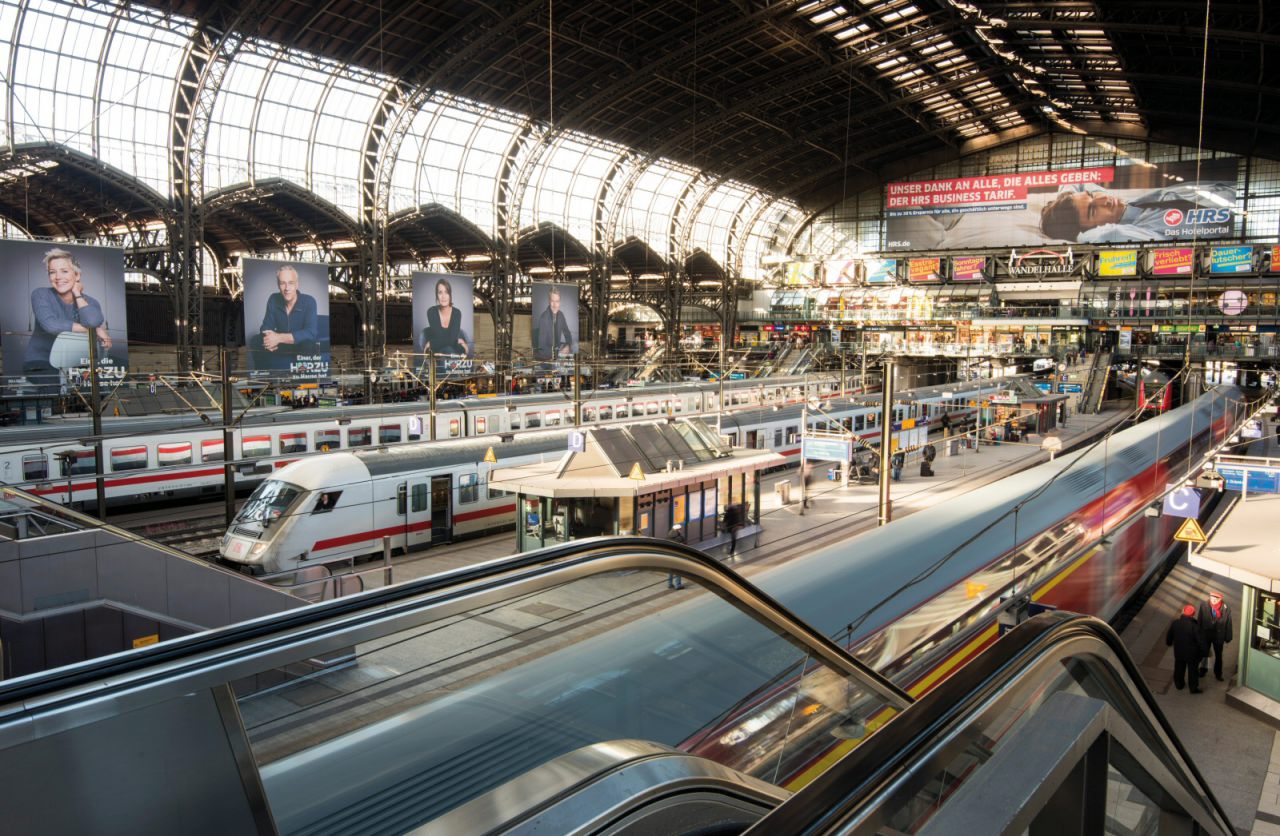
[[157, 457], [340, 505], [916, 599]]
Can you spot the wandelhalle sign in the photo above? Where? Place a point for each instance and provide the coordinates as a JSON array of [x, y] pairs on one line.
[[1112, 204]]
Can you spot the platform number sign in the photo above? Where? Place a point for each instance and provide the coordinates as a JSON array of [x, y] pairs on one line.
[[1182, 502]]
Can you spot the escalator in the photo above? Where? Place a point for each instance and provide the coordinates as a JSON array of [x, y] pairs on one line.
[[1095, 386], [1050, 731], [570, 690]]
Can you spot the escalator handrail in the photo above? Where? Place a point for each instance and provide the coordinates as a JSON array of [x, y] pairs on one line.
[[197, 650], [839, 791]]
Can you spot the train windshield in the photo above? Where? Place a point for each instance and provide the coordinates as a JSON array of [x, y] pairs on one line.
[[268, 502]]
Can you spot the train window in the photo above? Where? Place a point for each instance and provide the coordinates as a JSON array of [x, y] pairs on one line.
[[858, 423], [515, 420], [455, 427], [553, 418], [733, 439], [255, 446], [679, 405], [326, 502], [293, 442], [359, 436], [77, 462], [327, 440], [622, 411], [777, 438], [606, 413], [419, 496], [588, 414], [792, 432], [873, 418], [128, 458], [35, 467], [533, 419], [173, 455], [211, 450], [388, 433], [482, 425], [415, 427], [468, 487], [651, 408]]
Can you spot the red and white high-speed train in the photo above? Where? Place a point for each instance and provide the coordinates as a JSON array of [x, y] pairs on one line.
[[162, 456], [340, 505]]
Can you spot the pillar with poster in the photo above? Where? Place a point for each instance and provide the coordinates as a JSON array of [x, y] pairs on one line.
[[69, 294], [444, 321], [555, 323], [286, 317]]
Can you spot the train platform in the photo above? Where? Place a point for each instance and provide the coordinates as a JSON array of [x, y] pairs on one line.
[[1236, 751], [835, 513]]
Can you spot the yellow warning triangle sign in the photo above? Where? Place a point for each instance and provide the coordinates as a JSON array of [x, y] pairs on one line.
[[490, 457], [636, 472], [1191, 532]]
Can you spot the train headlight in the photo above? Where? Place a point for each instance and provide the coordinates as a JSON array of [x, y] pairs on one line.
[[258, 548]]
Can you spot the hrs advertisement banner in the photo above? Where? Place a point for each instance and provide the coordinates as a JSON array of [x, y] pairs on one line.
[[1118, 204], [61, 297], [286, 317], [444, 319]]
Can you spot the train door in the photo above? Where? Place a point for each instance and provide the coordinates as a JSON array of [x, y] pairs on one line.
[[753, 440], [441, 509], [415, 511]]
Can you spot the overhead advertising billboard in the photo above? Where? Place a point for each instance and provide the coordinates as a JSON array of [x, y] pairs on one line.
[[60, 297], [286, 317], [1175, 261], [1118, 263], [1273, 259], [555, 321], [920, 270], [1231, 260], [881, 271], [444, 319], [801, 272], [841, 272], [968, 268], [1113, 204]]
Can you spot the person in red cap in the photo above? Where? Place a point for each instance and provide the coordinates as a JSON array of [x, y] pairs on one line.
[[1188, 646], [1215, 623]]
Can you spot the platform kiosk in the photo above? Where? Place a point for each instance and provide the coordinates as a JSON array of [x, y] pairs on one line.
[[641, 479]]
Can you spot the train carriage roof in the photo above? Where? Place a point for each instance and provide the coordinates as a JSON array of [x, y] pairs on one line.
[[468, 452]]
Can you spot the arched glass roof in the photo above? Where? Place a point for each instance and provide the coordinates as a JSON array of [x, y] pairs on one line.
[[101, 78]]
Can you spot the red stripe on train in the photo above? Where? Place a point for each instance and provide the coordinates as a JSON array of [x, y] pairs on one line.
[[397, 530]]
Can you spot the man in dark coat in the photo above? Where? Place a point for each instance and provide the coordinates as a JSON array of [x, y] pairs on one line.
[[1215, 624], [1188, 646]]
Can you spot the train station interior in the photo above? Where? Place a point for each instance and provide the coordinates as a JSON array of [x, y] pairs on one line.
[[639, 418]]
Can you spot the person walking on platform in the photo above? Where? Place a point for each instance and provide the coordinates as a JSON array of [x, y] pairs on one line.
[[1188, 646], [1215, 624], [946, 425], [927, 454], [675, 535], [733, 522], [896, 463]]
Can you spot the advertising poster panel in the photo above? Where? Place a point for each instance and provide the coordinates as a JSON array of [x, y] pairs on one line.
[[1113, 204], [968, 268], [60, 297], [920, 270], [841, 272], [555, 321], [444, 319], [286, 317], [882, 271], [801, 272], [1273, 260], [1118, 263], [1231, 260], [1175, 261]]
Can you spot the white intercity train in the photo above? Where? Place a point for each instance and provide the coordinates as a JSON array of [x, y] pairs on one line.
[[338, 506], [158, 457]]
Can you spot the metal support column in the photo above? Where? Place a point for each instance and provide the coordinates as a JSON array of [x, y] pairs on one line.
[[228, 468], [885, 515], [95, 408]]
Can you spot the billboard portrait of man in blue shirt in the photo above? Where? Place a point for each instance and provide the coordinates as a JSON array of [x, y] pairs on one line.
[[290, 325], [1091, 214]]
